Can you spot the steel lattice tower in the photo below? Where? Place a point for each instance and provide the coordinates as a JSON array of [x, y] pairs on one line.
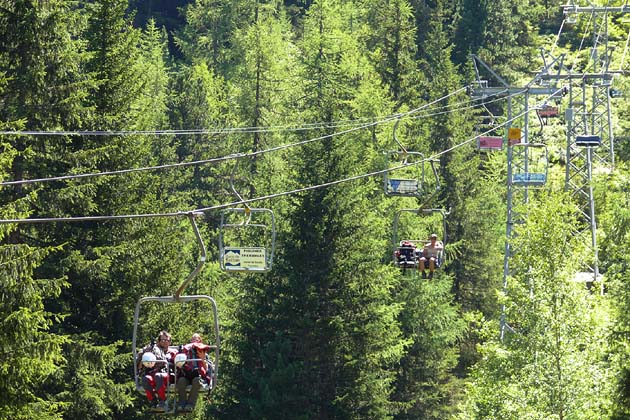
[[518, 109], [589, 114]]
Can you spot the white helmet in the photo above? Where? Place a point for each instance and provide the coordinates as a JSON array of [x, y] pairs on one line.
[[180, 360], [148, 360]]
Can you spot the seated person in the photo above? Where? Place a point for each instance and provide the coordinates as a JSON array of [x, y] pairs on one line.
[[405, 254], [196, 371], [431, 254], [154, 367]]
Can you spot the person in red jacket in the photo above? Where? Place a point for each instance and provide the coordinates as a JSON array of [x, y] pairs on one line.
[[194, 372], [154, 366]]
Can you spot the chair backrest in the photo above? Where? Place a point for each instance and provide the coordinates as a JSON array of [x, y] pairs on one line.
[[402, 186], [490, 143]]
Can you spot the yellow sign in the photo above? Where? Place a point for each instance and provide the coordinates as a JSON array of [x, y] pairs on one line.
[[514, 136], [251, 258]]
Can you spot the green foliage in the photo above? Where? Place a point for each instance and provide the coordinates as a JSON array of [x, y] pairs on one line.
[[555, 358], [332, 331], [393, 47], [614, 222], [86, 394], [210, 28], [430, 321], [32, 351], [329, 354]]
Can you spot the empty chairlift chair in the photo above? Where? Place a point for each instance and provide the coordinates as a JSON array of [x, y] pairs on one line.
[[530, 162], [247, 238], [408, 182]]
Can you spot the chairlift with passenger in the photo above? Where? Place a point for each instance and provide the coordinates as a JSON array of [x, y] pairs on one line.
[[412, 229], [208, 319]]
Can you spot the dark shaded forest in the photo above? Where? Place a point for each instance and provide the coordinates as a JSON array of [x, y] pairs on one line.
[[281, 128]]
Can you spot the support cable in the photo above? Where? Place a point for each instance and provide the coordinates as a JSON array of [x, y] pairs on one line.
[[625, 50], [553, 47], [261, 198], [577, 54], [222, 131], [238, 155]]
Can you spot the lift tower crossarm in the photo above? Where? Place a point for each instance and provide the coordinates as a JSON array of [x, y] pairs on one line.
[[578, 76], [572, 8], [510, 91]]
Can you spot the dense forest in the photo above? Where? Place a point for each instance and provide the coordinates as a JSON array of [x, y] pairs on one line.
[[121, 121]]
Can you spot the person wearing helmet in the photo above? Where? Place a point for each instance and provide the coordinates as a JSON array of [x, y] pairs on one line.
[[194, 370], [155, 370], [431, 255]]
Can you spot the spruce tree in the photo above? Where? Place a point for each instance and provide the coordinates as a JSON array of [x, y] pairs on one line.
[[110, 265], [393, 48], [341, 339], [40, 89]]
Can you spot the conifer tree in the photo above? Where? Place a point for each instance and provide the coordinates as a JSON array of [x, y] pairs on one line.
[[498, 31], [198, 100], [210, 28], [334, 349], [442, 132], [393, 48], [110, 265], [459, 173], [40, 89], [32, 350], [614, 221]]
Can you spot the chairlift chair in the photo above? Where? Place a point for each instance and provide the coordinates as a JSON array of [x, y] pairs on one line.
[[548, 111], [530, 165], [400, 244], [411, 164], [489, 143], [415, 185], [234, 254], [410, 186], [588, 141], [486, 132], [178, 299], [570, 14], [213, 319]]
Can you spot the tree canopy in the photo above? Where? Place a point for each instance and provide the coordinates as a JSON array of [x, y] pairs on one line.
[[120, 120]]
